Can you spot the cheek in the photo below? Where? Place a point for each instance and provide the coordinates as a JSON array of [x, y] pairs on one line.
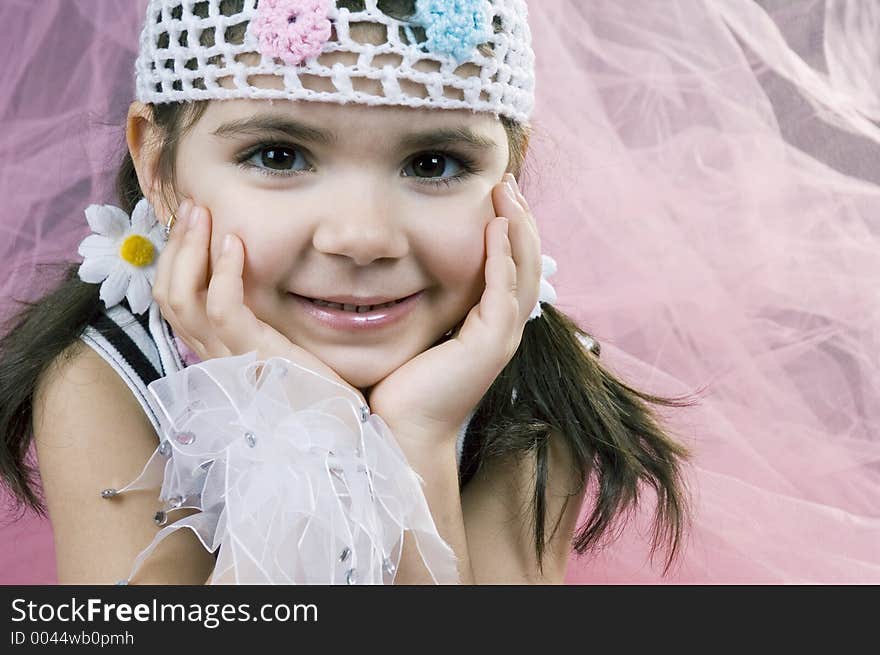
[[271, 255], [259, 219], [271, 246], [456, 255], [468, 257]]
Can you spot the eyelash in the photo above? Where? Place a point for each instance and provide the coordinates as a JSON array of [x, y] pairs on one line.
[[468, 165]]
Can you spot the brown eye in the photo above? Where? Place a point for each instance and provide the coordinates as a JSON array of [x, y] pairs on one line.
[[275, 159], [433, 165], [278, 158]]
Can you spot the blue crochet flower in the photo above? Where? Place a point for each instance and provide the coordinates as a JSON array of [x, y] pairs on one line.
[[453, 27]]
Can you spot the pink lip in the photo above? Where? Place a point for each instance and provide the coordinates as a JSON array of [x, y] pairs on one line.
[[342, 320]]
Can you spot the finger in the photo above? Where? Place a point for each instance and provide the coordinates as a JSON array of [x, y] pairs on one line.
[[521, 200], [188, 284], [166, 260], [190, 273], [488, 324], [525, 248], [233, 321], [165, 275], [525, 203]]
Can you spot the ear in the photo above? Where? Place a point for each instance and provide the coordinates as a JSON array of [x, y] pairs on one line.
[[143, 137]]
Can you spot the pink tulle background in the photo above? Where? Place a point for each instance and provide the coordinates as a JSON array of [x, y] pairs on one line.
[[705, 174]]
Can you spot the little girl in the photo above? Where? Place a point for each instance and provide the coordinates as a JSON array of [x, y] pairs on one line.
[[333, 190]]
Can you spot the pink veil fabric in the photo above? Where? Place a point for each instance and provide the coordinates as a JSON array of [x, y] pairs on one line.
[[704, 173]]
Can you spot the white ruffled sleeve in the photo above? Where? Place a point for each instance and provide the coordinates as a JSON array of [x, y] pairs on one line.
[[294, 480]]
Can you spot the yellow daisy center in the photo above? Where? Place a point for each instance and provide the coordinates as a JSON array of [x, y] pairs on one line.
[[137, 250]]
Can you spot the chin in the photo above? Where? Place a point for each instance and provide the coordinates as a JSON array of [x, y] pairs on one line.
[[364, 380], [362, 372]]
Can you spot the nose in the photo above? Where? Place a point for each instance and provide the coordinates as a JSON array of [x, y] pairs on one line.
[[363, 225]]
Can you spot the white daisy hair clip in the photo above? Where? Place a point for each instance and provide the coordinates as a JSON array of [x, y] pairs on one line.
[[122, 254]]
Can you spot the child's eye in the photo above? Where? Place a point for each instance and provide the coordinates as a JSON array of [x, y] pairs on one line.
[[280, 160], [274, 159], [436, 163]]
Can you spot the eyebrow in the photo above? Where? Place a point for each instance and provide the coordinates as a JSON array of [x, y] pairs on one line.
[[274, 126]]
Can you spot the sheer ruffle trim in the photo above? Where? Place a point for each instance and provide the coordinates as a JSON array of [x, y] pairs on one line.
[[295, 482]]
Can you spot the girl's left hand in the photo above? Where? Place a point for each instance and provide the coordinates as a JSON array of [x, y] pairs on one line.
[[430, 396]]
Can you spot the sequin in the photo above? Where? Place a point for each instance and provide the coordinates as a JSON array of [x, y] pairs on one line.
[[345, 553], [351, 577], [108, 493], [165, 448], [250, 438], [185, 438], [388, 566], [160, 518], [365, 413], [175, 501]]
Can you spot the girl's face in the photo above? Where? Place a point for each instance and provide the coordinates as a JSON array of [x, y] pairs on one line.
[[348, 200]]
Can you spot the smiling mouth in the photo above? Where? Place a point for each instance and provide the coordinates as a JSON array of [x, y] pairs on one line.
[[357, 304], [352, 317], [356, 309]]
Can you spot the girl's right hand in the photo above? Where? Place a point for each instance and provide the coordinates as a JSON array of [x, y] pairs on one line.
[[206, 309]]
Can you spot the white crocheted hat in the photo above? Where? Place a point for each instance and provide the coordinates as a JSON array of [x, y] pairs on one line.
[[449, 54]]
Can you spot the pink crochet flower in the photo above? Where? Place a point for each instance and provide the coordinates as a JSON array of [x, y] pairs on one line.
[[292, 30]]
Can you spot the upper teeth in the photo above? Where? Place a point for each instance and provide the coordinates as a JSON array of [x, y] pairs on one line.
[[360, 309]]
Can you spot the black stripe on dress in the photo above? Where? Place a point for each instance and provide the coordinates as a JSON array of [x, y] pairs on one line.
[[144, 320], [127, 348]]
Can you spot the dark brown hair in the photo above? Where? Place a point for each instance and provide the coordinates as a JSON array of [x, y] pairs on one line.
[[609, 429]]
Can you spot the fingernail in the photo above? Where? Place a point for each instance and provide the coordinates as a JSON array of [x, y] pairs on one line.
[[227, 243], [505, 225]]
